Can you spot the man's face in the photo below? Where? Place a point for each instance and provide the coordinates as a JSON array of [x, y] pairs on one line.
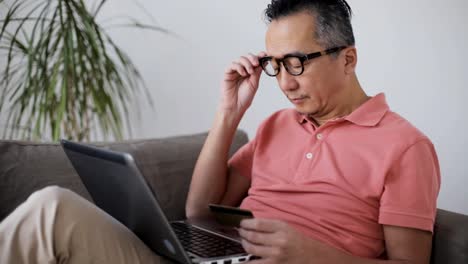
[[315, 91]]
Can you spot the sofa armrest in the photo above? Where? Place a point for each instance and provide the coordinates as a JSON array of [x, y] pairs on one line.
[[450, 241]]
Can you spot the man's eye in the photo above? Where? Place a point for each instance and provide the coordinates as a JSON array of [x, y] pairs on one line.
[[295, 66], [294, 62]]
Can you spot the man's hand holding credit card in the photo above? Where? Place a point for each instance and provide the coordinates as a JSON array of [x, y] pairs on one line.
[[229, 216]]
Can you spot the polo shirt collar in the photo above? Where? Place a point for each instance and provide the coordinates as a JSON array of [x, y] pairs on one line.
[[369, 113]]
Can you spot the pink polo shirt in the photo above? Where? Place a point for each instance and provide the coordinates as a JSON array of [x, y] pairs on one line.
[[340, 182]]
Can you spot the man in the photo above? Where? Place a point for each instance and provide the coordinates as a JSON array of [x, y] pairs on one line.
[[338, 179]]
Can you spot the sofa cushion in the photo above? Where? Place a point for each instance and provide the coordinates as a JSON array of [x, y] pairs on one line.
[[450, 241], [166, 163]]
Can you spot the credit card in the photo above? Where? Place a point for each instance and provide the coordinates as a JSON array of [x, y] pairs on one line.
[[229, 216]]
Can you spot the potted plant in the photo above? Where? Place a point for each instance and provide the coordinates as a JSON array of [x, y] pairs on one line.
[[63, 75]]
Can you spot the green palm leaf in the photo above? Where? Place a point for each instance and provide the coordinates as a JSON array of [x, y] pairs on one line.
[[64, 76]]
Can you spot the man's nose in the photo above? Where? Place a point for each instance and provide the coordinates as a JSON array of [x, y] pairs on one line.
[[286, 81]]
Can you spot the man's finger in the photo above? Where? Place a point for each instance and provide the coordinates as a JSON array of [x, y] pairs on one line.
[[260, 250], [239, 68], [244, 61], [259, 238], [263, 225], [253, 59], [262, 54]]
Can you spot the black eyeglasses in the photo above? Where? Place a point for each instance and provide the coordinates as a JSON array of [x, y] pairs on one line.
[[294, 64]]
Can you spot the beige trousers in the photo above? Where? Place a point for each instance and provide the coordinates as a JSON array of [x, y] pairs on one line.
[[56, 225]]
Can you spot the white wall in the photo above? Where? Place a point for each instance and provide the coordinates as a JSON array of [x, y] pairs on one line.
[[414, 51]]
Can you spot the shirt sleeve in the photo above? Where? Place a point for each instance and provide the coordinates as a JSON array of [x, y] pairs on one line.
[[411, 189], [242, 160]]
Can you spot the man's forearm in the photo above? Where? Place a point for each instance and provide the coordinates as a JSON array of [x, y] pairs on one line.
[[210, 174]]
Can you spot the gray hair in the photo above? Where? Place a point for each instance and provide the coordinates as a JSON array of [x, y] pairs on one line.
[[333, 19]]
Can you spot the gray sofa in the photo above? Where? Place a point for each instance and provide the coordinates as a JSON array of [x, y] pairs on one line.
[[167, 164]]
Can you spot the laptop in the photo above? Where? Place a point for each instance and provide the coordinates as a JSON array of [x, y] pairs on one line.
[[117, 187]]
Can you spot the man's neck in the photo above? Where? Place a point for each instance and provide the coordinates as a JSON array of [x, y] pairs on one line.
[[352, 99]]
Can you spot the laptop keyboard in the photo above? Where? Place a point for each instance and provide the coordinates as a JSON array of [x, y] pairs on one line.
[[204, 244]]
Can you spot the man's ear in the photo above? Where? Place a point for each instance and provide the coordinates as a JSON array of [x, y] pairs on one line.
[[350, 59]]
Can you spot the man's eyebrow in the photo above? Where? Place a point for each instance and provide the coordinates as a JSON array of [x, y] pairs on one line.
[[295, 53]]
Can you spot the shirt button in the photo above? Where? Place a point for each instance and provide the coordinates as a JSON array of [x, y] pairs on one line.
[[309, 155], [319, 136]]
